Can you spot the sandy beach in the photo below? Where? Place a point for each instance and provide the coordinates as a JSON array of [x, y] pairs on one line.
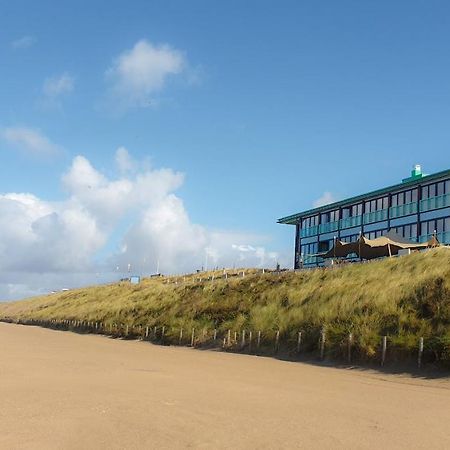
[[61, 390]]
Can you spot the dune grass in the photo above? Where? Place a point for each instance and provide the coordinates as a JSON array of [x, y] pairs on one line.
[[404, 298]]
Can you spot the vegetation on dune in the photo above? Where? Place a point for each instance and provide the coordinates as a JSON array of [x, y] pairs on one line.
[[404, 298]]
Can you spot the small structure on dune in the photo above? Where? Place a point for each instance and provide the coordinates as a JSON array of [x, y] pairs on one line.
[[389, 245]]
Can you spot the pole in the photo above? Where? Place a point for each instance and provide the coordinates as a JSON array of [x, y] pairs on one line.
[[419, 360], [383, 350]]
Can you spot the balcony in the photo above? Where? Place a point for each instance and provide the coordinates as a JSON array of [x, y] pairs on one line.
[[311, 231], [443, 238], [376, 216], [309, 259], [350, 222], [403, 210], [441, 201], [329, 227]]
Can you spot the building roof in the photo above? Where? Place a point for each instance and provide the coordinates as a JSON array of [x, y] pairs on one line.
[[408, 182]]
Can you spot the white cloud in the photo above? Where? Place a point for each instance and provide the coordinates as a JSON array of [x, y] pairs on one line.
[[137, 74], [59, 85], [325, 199], [30, 141], [104, 222], [124, 161], [23, 42]]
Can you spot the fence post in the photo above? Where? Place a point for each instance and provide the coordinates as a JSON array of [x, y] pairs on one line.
[[277, 341], [419, 359], [229, 338], [162, 334], [250, 336], [322, 343], [243, 339], [349, 350], [383, 350], [146, 332], [180, 340], [299, 341], [258, 341], [193, 337], [126, 331], [215, 335]]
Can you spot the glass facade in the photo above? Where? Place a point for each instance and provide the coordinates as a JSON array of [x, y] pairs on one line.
[[414, 211]]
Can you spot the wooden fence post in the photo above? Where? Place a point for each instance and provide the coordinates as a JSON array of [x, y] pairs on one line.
[[419, 359], [299, 341], [258, 341], [146, 332], [215, 335], [243, 339], [277, 341], [193, 337], [349, 350], [322, 343], [162, 334], [180, 340], [229, 338], [250, 336], [383, 350]]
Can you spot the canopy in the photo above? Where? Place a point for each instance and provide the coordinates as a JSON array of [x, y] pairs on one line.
[[376, 248]]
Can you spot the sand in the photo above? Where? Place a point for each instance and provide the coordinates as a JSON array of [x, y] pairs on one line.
[[61, 390]]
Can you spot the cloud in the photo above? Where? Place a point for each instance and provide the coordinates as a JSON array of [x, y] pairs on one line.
[[325, 199], [139, 73], [106, 222], [23, 42], [59, 85], [124, 161], [30, 141], [54, 90]]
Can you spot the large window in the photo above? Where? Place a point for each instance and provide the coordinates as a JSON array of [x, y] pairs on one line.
[[436, 189], [438, 225], [376, 204], [309, 249], [376, 234], [407, 231], [403, 198], [310, 221], [352, 211], [352, 238]]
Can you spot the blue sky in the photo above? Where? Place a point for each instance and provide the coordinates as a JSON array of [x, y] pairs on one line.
[[263, 106]]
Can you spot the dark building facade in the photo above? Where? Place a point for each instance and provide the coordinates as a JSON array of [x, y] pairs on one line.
[[415, 209]]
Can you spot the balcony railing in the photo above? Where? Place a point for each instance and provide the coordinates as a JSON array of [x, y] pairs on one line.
[[376, 216], [443, 238], [350, 222], [403, 210], [328, 227], [309, 259], [307, 232], [441, 201]]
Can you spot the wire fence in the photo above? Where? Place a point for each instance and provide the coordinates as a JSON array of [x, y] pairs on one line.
[[315, 344]]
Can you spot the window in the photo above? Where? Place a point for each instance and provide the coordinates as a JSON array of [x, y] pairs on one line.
[[334, 215], [357, 210], [325, 218], [403, 198], [310, 222], [440, 188], [377, 204]]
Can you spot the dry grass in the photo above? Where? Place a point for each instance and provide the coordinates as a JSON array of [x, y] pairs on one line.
[[404, 298]]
